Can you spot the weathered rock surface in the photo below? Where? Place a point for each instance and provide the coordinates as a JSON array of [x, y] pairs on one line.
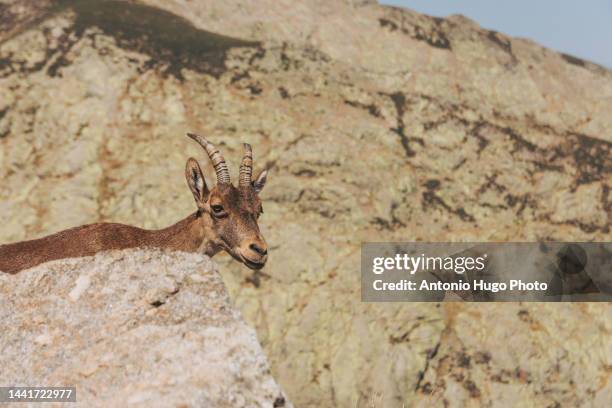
[[379, 124], [132, 328]]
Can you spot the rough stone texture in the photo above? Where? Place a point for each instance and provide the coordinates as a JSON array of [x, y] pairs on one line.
[[379, 124], [475, 364], [137, 328]]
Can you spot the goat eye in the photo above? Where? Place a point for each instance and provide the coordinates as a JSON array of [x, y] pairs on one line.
[[217, 209]]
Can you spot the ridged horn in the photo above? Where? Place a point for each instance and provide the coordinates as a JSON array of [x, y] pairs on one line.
[[215, 157], [246, 167]]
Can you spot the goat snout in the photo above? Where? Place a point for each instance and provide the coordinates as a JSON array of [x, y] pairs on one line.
[[254, 254], [259, 249]]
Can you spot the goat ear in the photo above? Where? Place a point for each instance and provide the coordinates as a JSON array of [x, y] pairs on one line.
[[196, 182], [260, 181]]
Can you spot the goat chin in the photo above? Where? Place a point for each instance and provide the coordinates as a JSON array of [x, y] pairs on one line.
[[246, 261]]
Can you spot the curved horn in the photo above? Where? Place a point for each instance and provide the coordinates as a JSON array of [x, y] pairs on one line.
[[215, 157], [246, 167]]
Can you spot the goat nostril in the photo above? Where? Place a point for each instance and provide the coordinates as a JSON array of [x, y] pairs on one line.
[[261, 251]]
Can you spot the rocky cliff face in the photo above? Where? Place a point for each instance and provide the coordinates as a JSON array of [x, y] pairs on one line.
[[137, 328], [379, 124]]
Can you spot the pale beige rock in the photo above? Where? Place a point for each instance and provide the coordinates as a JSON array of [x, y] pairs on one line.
[[536, 366], [187, 346], [380, 124]]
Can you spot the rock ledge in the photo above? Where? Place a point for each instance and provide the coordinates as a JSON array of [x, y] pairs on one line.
[[135, 327]]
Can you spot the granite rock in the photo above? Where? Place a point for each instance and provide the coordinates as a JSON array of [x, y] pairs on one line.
[[132, 328]]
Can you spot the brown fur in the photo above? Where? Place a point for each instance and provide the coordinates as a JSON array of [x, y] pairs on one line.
[[90, 239], [207, 231]]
